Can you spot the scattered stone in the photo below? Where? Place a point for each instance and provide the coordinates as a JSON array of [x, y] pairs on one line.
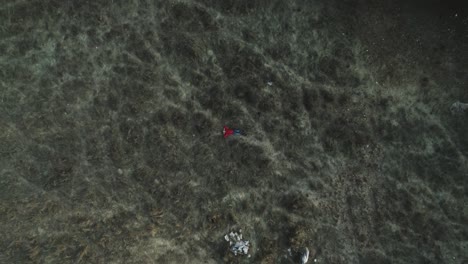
[[305, 256], [458, 107], [236, 243], [300, 255]]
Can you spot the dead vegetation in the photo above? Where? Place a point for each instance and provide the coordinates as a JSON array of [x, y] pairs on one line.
[[111, 148]]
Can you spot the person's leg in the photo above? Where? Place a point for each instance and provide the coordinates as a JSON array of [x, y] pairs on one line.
[[237, 132]]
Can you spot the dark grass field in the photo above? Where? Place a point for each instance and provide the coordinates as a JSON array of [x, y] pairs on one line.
[[110, 131]]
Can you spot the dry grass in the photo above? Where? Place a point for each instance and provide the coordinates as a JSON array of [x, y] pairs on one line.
[[110, 145]]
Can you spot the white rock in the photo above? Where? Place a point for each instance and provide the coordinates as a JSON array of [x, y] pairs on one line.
[[236, 244], [245, 249], [458, 107], [305, 256]]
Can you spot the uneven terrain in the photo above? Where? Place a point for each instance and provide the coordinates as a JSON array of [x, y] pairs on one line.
[[110, 131]]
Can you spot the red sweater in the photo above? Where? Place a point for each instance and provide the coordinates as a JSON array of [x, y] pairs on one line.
[[227, 131]]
